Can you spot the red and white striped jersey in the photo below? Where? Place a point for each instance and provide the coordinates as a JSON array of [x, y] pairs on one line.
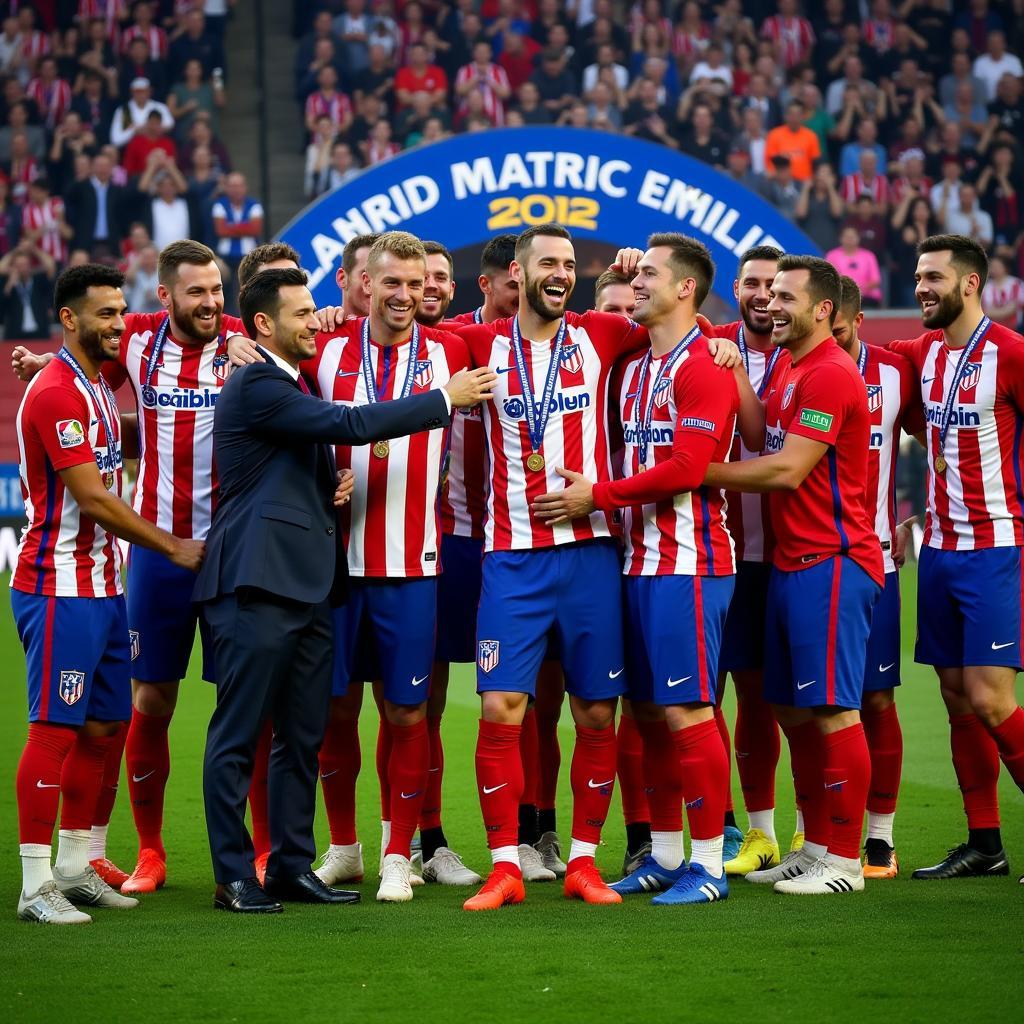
[[45, 218], [155, 37], [493, 77], [337, 106], [893, 405], [878, 33], [977, 502], [34, 45], [378, 152], [793, 38], [60, 425], [855, 185], [1008, 292], [391, 526], [53, 100], [686, 534], [576, 434], [177, 484], [747, 514]]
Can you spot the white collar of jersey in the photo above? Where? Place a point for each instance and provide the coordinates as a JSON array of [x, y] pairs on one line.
[[287, 367]]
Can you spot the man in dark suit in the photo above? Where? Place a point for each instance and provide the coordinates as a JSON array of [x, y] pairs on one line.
[[26, 292], [274, 566], [96, 211]]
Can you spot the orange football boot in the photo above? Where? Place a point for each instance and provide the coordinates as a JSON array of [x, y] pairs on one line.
[[109, 872], [889, 870], [501, 889], [149, 875], [584, 883], [261, 867]]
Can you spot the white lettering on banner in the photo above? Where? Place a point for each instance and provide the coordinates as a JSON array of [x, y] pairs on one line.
[[570, 170], [8, 548]]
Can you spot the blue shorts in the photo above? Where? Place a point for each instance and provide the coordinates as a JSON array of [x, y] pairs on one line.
[[386, 631], [674, 635], [969, 608], [816, 634], [77, 657], [573, 591], [743, 637], [162, 619], [458, 597], [882, 671]]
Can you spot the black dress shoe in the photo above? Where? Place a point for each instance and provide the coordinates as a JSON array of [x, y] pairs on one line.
[[306, 888], [244, 897], [965, 862]]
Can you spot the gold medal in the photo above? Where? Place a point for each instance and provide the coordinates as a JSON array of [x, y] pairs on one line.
[[381, 449], [940, 464], [535, 462]]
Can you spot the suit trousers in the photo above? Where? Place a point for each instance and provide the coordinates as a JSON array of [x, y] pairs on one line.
[[273, 659]]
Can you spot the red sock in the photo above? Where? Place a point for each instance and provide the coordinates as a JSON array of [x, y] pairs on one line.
[[340, 761], [631, 762], [847, 780], [499, 778], [592, 775], [148, 761], [1009, 737], [407, 779], [258, 791], [383, 760], [81, 779], [664, 790], [430, 816], [723, 731], [757, 751], [704, 770], [976, 762], [807, 757], [549, 761], [38, 780], [885, 744], [111, 777], [529, 751]]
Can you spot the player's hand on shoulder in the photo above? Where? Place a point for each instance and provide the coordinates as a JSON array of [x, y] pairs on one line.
[[574, 502], [242, 351], [26, 364], [332, 318], [467, 388], [188, 554], [346, 485], [726, 353], [627, 260]]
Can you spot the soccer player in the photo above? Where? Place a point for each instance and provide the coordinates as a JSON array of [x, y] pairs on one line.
[[613, 293], [550, 409], [971, 374], [350, 275], [67, 598], [826, 572], [757, 733], [386, 630], [893, 405], [677, 411]]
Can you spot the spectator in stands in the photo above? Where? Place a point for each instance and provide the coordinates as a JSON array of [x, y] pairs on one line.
[[1006, 111], [867, 181], [1000, 188], [518, 56], [702, 140], [195, 43], [555, 83], [528, 107], [484, 77], [378, 77], [961, 73], [144, 26], [152, 136], [237, 225], [753, 140], [138, 63], [871, 225], [340, 171], [94, 105], [912, 222], [50, 93], [11, 57], [201, 134], [759, 95], [43, 222], [782, 189], [141, 281], [968, 114], [855, 90], [796, 142], [10, 218], [130, 117], [603, 112], [738, 168], [970, 219], [96, 211], [70, 139], [194, 95], [168, 215], [307, 63], [819, 209], [327, 101], [867, 140], [1003, 297], [352, 27], [205, 183], [380, 146], [26, 292], [790, 34], [22, 168], [18, 121], [647, 118], [605, 59], [411, 120], [419, 75], [325, 55], [851, 259], [98, 55], [909, 179], [996, 62]]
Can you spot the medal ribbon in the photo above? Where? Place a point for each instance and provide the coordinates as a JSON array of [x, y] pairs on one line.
[[862, 359], [148, 392], [113, 447], [369, 377], [537, 418], [741, 342], [478, 315], [961, 371], [644, 417]]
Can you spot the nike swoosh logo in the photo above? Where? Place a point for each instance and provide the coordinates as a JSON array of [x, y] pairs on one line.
[[835, 785], [676, 682], [926, 380], [409, 796], [327, 775], [47, 785], [348, 373], [599, 785], [999, 647], [615, 675], [803, 686], [488, 790], [416, 682], [504, 369], [433, 769], [142, 778], [885, 668]]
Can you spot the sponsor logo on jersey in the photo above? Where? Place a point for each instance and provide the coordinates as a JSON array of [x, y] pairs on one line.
[[179, 398], [221, 367], [816, 420], [562, 403], [971, 377], [474, 413], [696, 423], [133, 638], [70, 433], [961, 417], [874, 397], [572, 359], [652, 435], [787, 395], [877, 440], [107, 460], [774, 439], [72, 686], [662, 392], [423, 375], [488, 652]]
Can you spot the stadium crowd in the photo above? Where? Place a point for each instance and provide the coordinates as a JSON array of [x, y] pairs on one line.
[[871, 123]]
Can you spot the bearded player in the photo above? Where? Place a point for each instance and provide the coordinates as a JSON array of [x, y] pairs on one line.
[[969, 627], [677, 412], [826, 573]]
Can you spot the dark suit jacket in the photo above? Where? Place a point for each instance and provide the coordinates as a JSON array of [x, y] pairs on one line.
[[275, 525], [81, 213], [13, 310]]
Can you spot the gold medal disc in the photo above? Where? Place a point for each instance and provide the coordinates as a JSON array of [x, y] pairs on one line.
[[381, 449], [535, 462], [940, 464]]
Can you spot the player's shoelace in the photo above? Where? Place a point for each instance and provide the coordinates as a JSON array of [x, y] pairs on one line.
[[54, 899]]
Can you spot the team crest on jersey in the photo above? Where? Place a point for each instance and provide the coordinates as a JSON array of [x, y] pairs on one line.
[[572, 358], [661, 393], [787, 395], [971, 377], [874, 397], [133, 638], [72, 686], [424, 373], [487, 656], [220, 367], [70, 433]]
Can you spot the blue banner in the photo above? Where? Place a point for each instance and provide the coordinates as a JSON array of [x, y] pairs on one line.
[[608, 187], [12, 506]]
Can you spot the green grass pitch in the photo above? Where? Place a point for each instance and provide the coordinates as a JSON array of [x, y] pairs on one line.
[[901, 951]]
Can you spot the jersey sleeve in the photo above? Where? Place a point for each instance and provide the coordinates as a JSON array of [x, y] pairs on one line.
[[477, 338], [910, 348], [456, 351], [824, 400], [233, 325], [1012, 357], [614, 336], [60, 420], [911, 407]]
